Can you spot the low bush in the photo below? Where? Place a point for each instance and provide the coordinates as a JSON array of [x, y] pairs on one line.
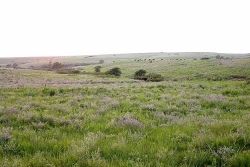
[[57, 65], [68, 71], [151, 77], [140, 74], [205, 58], [98, 68], [219, 57], [49, 92], [114, 71]]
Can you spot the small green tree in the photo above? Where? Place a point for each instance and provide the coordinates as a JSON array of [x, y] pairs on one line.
[[98, 68], [57, 65], [140, 74], [114, 71], [219, 57], [15, 65]]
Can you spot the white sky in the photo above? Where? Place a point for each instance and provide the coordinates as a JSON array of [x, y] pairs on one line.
[[80, 27]]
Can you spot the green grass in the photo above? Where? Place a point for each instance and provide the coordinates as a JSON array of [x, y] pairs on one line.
[[187, 120], [191, 69]]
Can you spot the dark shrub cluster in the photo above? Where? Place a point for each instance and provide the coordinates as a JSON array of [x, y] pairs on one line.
[[219, 57], [98, 69], [49, 92], [151, 77], [57, 65], [68, 71], [114, 71], [205, 58], [101, 61], [140, 74]]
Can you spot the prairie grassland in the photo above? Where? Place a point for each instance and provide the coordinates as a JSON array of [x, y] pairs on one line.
[[198, 116]]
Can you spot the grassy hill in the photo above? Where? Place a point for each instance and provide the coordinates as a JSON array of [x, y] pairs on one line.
[[197, 116]]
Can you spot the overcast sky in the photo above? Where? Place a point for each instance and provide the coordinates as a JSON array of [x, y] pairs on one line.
[[81, 27]]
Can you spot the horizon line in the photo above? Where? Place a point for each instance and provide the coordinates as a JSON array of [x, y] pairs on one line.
[[121, 53]]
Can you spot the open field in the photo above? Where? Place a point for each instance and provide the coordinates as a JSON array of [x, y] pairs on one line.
[[197, 116]]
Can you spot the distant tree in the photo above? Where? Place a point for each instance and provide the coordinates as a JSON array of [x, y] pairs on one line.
[[219, 57], [140, 74], [98, 68], [15, 65], [114, 71], [57, 65], [8, 65], [50, 64], [68, 71], [101, 61], [205, 58]]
